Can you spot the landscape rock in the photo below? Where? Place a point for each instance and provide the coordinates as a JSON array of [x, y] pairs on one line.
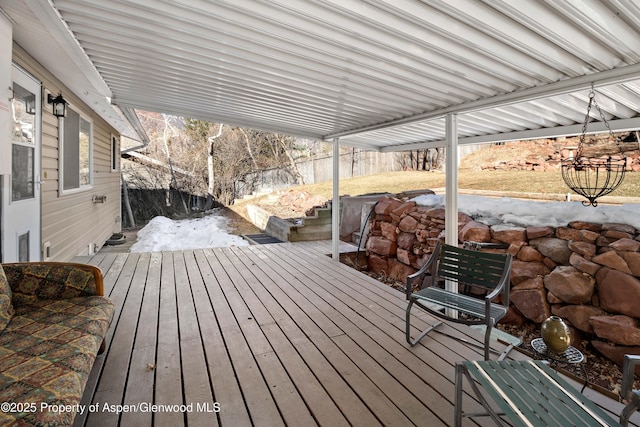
[[585, 249], [530, 254], [613, 260], [584, 225], [570, 285], [619, 292], [616, 352], [633, 261], [381, 246], [521, 271], [408, 224], [578, 315], [531, 300], [627, 245], [475, 232], [536, 232], [406, 240], [388, 231], [556, 249], [386, 205], [508, 234], [617, 329], [583, 264]]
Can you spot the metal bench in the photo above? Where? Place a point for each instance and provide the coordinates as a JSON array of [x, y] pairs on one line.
[[528, 393], [434, 288]]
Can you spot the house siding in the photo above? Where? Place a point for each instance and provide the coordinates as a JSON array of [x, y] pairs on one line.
[[71, 223]]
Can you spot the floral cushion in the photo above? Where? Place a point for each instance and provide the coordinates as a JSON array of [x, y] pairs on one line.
[[46, 354], [6, 308]]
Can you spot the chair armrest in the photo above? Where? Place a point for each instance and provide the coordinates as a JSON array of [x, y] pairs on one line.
[[422, 272], [52, 280], [628, 374]]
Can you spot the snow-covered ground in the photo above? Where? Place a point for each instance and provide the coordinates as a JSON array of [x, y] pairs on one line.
[[525, 213], [164, 234], [212, 231]]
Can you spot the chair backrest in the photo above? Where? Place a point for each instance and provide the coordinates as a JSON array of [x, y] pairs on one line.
[[470, 267]]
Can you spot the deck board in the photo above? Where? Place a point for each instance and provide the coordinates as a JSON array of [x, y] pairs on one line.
[[275, 334]]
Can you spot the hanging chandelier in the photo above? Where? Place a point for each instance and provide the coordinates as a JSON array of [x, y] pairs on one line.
[[594, 177]]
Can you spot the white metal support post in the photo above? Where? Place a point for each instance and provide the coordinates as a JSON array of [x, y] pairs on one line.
[[451, 190], [335, 205]]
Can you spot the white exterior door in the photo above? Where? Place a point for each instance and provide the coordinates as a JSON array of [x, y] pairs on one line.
[[21, 189]]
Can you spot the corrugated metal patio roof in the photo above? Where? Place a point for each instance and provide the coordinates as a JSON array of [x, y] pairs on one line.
[[378, 74]]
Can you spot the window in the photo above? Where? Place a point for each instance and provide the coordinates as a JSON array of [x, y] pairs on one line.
[[77, 147], [115, 153]]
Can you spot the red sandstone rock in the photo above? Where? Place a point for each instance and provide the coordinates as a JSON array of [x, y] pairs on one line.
[[588, 236], [583, 225], [553, 299], [475, 232], [613, 235], [388, 231], [521, 271], [578, 315], [616, 352], [633, 261], [624, 228], [509, 235], [378, 264], [406, 240], [515, 247], [536, 232], [619, 292], [570, 284], [399, 271], [406, 257], [530, 254], [386, 205], [404, 208], [556, 249], [617, 329], [626, 245], [582, 248], [513, 317], [408, 224], [532, 303], [583, 264], [567, 233], [381, 246], [437, 213], [613, 260]]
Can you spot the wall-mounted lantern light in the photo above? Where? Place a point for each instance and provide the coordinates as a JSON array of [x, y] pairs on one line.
[[59, 105]]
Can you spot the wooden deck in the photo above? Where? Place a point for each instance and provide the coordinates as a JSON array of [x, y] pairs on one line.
[[266, 335]]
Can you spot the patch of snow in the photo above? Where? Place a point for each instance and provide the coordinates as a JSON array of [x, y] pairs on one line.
[[526, 213], [164, 234]]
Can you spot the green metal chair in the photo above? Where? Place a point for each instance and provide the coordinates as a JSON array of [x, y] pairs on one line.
[[627, 392], [434, 288]]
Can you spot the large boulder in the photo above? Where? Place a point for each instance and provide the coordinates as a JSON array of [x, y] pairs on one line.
[[521, 270], [530, 298], [619, 292], [556, 249], [475, 232], [616, 352], [578, 315], [570, 284], [381, 246], [617, 329], [613, 260]]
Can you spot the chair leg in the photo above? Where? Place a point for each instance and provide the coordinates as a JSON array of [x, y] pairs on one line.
[[413, 342], [487, 339], [628, 411]]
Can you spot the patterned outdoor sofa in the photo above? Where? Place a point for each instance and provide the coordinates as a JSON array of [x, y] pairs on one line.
[[53, 321]]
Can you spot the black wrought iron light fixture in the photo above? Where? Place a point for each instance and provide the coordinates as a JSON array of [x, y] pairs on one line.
[[594, 177], [59, 105]]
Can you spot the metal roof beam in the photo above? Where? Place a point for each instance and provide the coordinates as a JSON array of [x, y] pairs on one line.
[[604, 78]]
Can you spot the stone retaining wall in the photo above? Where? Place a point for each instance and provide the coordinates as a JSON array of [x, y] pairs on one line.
[[586, 273]]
